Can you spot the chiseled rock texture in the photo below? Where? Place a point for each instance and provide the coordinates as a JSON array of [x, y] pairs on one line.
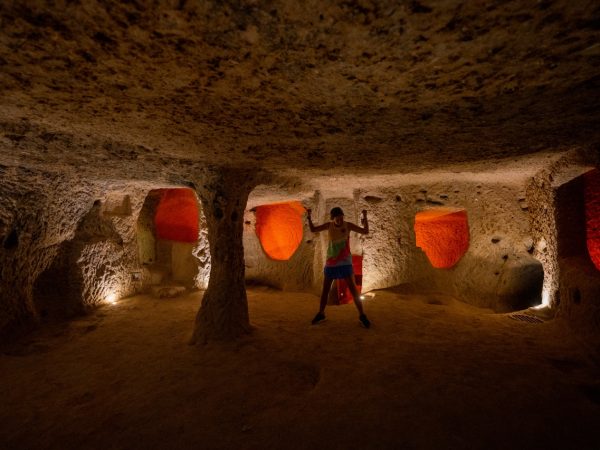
[[389, 106], [224, 311], [497, 271], [62, 253], [497, 227], [358, 85]]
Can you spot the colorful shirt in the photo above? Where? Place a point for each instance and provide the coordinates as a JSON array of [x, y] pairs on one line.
[[338, 250]]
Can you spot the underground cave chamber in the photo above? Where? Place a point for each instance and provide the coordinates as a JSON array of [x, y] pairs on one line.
[[493, 245], [496, 245]]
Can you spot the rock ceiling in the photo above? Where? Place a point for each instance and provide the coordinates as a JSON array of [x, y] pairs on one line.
[[357, 86]]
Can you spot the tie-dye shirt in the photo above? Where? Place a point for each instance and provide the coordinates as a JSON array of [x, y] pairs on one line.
[[338, 250]]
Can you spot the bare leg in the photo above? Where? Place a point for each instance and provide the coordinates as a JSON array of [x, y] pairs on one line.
[[355, 295], [325, 294]]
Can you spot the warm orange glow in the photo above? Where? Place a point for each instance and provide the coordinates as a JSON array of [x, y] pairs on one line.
[[443, 234], [176, 216], [592, 214], [279, 229]]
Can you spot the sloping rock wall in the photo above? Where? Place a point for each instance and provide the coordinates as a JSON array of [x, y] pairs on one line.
[[578, 298], [541, 203], [67, 245], [31, 233], [580, 295]]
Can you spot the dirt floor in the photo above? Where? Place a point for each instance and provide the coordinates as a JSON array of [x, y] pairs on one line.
[[431, 373]]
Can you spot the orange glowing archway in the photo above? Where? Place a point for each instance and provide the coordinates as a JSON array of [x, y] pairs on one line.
[[592, 214], [279, 229], [176, 217], [443, 234]]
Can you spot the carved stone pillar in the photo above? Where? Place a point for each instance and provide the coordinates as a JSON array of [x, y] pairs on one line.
[[224, 311]]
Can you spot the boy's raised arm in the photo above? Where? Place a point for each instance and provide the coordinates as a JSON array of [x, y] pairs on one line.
[[313, 228], [364, 222]]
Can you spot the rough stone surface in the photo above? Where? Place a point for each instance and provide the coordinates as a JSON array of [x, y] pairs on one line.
[[541, 199], [202, 253], [312, 85], [60, 243], [579, 294], [392, 257], [167, 291], [87, 269], [546, 209], [224, 311], [426, 358], [497, 271], [384, 106], [32, 234]]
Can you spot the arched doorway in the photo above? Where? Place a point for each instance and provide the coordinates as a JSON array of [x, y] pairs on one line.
[[168, 232], [443, 234], [279, 229]]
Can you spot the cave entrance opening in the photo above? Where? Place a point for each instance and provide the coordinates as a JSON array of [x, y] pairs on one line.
[[443, 234], [279, 229], [574, 265], [592, 214], [168, 232], [578, 217]]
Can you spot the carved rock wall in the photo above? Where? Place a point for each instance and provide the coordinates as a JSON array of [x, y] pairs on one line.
[[497, 271], [31, 232], [498, 246], [68, 244]]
